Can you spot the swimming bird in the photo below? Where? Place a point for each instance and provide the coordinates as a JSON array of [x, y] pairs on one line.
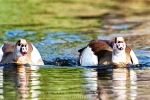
[[21, 52], [106, 52]]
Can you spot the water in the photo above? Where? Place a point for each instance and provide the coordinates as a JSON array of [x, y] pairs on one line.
[[62, 78], [76, 82]]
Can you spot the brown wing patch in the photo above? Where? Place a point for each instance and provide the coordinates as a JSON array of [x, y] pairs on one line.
[[98, 45], [103, 49], [8, 47], [30, 49], [109, 42], [129, 60]]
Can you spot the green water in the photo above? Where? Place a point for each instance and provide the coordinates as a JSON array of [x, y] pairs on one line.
[[76, 83], [44, 83]]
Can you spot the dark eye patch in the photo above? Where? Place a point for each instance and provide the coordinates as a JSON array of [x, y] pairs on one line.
[[19, 44], [120, 41]]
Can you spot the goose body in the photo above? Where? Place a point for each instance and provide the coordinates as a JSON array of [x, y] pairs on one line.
[[106, 52], [21, 52]]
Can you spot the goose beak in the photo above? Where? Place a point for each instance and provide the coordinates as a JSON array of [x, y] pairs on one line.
[[24, 53], [121, 48]]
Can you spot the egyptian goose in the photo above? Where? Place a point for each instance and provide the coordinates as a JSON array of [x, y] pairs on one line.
[[21, 52], [106, 52]]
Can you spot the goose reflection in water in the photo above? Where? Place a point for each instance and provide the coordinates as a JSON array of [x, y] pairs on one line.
[[25, 79], [124, 84], [26, 75], [1, 83], [116, 83], [21, 79]]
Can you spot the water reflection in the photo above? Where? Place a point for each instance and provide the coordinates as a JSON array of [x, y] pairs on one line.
[[90, 76], [18, 81], [123, 83], [42, 82], [1, 83], [27, 81], [35, 82], [118, 84], [21, 79]]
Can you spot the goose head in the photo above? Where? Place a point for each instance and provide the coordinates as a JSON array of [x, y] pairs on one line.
[[119, 44], [20, 50]]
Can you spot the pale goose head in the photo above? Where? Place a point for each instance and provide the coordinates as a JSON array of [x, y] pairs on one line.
[[21, 50]]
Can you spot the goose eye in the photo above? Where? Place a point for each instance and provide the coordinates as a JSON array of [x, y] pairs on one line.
[[120, 42], [19, 44]]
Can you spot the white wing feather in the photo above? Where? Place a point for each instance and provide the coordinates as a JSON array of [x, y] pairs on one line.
[[134, 58], [35, 55], [88, 58], [1, 52]]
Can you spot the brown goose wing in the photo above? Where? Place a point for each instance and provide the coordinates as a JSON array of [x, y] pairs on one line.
[[98, 45], [8, 49], [103, 49], [128, 57]]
